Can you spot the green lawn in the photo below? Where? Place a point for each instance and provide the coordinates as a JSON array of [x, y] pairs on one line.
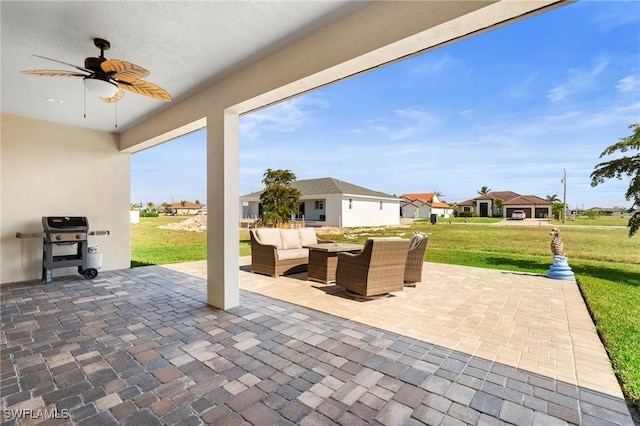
[[605, 260], [596, 221]]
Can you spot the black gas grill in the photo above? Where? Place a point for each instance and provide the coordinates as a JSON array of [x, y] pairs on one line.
[[62, 229], [65, 231]]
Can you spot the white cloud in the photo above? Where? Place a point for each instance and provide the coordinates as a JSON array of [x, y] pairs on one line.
[[404, 123], [432, 64], [614, 15], [284, 117], [628, 83], [578, 81]]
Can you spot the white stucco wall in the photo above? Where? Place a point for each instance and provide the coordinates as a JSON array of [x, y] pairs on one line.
[[410, 211], [367, 212], [49, 169]]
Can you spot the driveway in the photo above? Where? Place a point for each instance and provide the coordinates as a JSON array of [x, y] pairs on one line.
[[524, 222]]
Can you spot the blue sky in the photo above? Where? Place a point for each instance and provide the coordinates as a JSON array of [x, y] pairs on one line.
[[508, 109]]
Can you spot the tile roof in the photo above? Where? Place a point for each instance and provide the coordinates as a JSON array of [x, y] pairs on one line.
[[440, 205], [492, 195], [508, 198], [187, 205], [328, 186], [426, 199], [527, 200]]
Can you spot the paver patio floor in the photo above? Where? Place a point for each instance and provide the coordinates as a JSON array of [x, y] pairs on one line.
[[466, 346]]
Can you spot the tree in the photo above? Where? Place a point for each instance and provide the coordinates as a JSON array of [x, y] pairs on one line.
[[553, 198], [627, 165], [279, 199], [499, 201], [557, 209], [484, 190]]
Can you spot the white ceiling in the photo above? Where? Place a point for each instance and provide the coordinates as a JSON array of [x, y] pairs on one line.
[[184, 44]]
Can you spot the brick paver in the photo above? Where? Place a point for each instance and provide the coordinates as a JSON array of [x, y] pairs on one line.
[[141, 346]]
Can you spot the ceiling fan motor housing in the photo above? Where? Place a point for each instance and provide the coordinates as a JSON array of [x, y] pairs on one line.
[[93, 64]]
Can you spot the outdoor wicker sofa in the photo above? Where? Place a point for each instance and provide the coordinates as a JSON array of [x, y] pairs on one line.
[[376, 271], [275, 251], [415, 259]]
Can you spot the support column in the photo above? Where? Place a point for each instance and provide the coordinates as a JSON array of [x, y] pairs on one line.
[[223, 247]]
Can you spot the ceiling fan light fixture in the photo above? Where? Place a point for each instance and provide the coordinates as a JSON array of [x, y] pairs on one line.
[[100, 88]]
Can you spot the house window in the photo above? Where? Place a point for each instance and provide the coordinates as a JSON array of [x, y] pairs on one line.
[[467, 209], [350, 204], [319, 205], [380, 205]]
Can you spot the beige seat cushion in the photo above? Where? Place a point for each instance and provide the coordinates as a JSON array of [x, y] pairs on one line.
[[307, 236], [269, 236], [290, 239], [293, 254]]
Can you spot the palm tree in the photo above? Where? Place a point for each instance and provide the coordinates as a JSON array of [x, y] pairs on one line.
[[553, 198], [484, 190]]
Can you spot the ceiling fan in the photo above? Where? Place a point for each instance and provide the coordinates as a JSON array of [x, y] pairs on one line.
[[108, 77]]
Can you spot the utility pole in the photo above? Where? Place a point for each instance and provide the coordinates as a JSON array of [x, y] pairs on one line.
[[564, 198]]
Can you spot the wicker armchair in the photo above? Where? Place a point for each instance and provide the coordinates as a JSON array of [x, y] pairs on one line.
[[376, 271], [415, 260]]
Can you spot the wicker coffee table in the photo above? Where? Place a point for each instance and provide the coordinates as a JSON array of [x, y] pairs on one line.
[[323, 259]]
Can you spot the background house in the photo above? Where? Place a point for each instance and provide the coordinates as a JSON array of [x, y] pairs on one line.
[[185, 207], [424, 205], [489, 205], [608, 211], [332, 202]]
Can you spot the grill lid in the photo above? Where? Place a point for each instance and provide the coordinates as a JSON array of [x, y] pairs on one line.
[[65, 223]]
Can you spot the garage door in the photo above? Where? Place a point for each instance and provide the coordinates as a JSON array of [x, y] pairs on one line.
[[527, 211], [542, 213]]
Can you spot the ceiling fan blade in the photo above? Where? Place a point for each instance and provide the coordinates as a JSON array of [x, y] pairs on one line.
[[66, 63], [115, 98], [123, 70], [53, 73], [145, 88]]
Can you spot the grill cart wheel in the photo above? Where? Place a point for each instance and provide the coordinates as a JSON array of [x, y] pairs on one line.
[[90, 273]]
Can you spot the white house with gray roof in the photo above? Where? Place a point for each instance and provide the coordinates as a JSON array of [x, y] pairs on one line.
[[332, 202]]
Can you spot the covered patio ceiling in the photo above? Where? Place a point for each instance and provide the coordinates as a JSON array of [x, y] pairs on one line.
[[185, 46]]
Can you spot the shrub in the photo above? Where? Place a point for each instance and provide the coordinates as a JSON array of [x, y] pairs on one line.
[[149, 214]]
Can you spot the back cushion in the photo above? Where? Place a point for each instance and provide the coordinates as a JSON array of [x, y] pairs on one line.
[[307, 236], [269, 236], [290, 239]]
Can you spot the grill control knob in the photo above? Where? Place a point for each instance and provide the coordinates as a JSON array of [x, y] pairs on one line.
[[58, 237], [78, 236]]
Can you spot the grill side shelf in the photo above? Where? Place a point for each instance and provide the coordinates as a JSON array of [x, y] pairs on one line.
[[30, 235]]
